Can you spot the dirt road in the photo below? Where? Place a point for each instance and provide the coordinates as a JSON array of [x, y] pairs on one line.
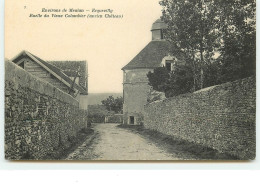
[[113, 143]]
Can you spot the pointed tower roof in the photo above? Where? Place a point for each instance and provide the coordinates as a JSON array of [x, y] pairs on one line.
[[151, 56], [153, 53], [158, 25]]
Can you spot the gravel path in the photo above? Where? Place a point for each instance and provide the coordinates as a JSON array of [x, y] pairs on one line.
[[112, 143]]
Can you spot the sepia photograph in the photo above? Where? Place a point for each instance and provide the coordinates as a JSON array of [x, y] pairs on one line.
[[157, 80]]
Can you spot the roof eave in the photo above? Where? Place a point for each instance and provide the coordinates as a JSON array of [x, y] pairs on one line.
[[43, 65], [130, 68]]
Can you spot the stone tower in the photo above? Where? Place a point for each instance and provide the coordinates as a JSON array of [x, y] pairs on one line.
[[135, 81]]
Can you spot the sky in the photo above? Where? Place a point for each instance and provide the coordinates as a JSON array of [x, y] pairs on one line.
[[106, 44]]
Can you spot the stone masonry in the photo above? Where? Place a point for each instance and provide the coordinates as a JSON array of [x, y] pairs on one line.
[[136, 90], [220, 117], [39, 118]]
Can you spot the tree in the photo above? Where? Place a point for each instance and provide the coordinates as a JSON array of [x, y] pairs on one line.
[[217, 39], [215, 35], [180, 81], [118, 106], [173, 83], [113, 104], [158, 78], [237, 23], [190, 29]]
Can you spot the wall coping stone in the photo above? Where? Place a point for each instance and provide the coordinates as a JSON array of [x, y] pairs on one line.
[[205, 91], [20, 77]]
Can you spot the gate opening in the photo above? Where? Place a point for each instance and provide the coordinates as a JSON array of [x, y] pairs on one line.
[[132, 120]]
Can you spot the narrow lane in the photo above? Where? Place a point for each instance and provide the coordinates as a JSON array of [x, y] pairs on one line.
[[113, 143]]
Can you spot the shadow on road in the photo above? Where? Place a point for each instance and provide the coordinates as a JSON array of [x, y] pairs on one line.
[[183, 149], [74, 143]]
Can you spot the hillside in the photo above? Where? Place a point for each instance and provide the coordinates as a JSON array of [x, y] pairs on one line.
[[96, 98]]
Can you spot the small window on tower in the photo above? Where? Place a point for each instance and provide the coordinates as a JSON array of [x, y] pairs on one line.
[[162, 34]]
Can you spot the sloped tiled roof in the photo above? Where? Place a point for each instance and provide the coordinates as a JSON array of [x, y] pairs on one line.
[[58, 72], [70, 68], [151, 56]]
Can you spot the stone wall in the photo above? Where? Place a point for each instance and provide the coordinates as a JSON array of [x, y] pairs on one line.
[[116, 118], [39, 118], [221, 117]]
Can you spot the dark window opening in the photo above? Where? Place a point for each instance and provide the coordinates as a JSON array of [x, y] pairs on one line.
[[168, 66], [162, 34], [52, 76], [132, 120], [22, 65]]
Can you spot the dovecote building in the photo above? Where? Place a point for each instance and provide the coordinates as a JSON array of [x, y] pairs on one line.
[[135, 82]]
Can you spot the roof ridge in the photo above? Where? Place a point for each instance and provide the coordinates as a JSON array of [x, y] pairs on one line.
[[58, 72], [66, 60], [49, 64]]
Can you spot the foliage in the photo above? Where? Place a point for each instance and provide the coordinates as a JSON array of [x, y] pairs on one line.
[[217, 39], [237, 24], [96, 118], [97, 113], [113, 104], [172, 83], [180, 81], [158, 78], [190, 29], [110, 106]]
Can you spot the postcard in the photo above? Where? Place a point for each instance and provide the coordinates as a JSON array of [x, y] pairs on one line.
[[152, 80]]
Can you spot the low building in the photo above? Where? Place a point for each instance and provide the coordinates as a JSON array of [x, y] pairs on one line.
[[114, 118], [72, 80]]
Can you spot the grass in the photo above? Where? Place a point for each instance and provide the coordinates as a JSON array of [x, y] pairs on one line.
[[182, 148]]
